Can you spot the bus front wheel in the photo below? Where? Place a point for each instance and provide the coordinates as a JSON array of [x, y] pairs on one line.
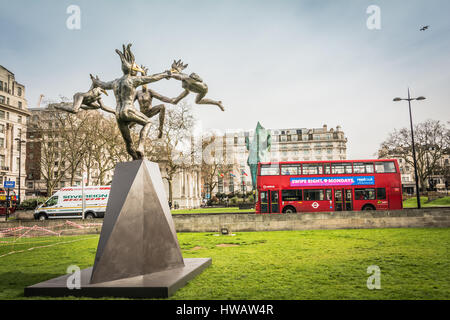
[[368, 207], [289, 209]]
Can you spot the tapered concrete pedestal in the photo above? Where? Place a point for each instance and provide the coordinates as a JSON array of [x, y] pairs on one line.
[[138, 254]]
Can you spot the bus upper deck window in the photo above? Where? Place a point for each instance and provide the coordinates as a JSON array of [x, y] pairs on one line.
[[291, 169], [270, 170], [385, 167], [363, 167], [315, 168], [340, 168]]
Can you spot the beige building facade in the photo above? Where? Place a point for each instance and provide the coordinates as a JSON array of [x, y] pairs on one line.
[[290, 144], [13, 119]]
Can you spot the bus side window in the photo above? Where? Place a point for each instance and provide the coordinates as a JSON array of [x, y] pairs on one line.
[[381, 193], [313, 194], [327, 194], [291, 195]]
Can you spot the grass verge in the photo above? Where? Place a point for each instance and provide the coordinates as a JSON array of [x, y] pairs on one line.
[[316, 264]]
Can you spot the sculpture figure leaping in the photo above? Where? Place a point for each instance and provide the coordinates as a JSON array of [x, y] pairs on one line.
[[89, 100], [192, 83]]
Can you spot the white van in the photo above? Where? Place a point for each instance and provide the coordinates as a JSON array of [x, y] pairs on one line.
[[66, 203]]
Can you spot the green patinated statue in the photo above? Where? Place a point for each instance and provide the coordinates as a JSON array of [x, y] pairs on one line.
[[258, 150]]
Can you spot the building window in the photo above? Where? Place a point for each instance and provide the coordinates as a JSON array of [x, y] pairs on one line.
[[2, 99], [2, 160], [2, 142], [19, 93], [231, 186], [20, 104]]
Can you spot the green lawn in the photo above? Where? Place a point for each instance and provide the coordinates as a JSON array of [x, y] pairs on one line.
[[412, 202], [211, 210], [316, 264]]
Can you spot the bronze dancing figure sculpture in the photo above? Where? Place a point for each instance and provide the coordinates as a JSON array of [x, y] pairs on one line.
[[125, 91], [145, 97], [126, 94], [192, 83], [86, 100]]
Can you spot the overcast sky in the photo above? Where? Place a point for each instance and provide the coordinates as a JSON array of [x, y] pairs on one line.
[[288, 64]]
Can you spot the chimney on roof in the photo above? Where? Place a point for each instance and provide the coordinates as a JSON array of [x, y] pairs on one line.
[[40, 100], [325, 128]]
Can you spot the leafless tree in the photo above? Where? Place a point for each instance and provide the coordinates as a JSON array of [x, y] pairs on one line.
[[47, 129], [174, 150], [213, 160], [74, 133], [432, 142]]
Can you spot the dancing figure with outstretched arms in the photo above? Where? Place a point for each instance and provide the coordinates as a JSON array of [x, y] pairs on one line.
[[145, 97], [125, 92], [192, 83]]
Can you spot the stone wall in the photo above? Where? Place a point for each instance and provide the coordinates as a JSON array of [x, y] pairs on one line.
[[235, 222], [407, 218]]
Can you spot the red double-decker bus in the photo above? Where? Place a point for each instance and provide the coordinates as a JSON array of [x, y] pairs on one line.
[[318, 186]]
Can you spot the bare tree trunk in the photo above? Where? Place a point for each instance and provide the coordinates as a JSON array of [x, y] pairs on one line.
[[169, 181]]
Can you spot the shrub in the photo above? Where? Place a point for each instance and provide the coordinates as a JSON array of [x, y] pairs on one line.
[[30, 204], [234, 200]]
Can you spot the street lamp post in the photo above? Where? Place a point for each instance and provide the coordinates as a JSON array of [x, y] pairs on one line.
[[413, 145], [20, 141]]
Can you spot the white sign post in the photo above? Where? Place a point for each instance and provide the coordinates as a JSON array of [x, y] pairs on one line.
[[83, 199]]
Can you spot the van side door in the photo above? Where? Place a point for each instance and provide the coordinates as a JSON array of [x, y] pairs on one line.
[[51, 206]]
